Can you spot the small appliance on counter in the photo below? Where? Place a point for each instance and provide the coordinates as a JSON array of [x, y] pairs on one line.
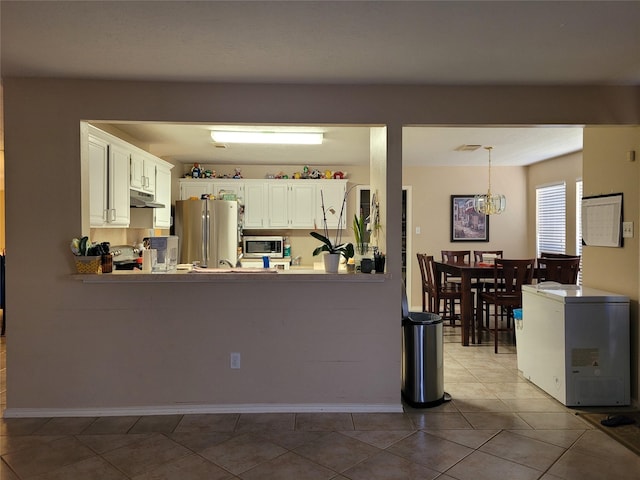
[[125, 257], [166, 248], [261, 246]]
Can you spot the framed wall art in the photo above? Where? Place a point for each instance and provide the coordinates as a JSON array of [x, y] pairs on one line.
[[467, 225]]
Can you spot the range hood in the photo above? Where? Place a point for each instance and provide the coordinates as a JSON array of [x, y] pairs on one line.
[[143, 200]]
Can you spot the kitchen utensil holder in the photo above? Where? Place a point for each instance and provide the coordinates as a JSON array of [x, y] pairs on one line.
[[88, 264]]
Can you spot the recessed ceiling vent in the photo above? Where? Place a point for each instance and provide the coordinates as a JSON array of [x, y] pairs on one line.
[[468, 148]]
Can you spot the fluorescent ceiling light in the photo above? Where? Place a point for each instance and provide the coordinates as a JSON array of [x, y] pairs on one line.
[[290, 138]]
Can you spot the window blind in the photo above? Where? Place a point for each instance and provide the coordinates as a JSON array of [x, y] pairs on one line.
[[551, 219]]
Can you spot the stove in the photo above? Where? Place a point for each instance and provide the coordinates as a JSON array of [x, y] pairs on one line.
[[125, 257]]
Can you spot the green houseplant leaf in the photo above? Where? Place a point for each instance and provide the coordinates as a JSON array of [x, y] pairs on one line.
[[346, 249], [359, 231]]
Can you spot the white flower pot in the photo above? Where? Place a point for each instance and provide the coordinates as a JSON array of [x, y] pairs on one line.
[[331, 262]]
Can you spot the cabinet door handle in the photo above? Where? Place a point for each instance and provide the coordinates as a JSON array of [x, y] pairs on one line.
[[105, 215], [113, 215]]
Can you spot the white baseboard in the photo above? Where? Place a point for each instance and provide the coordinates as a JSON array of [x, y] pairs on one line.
[[202, 409]]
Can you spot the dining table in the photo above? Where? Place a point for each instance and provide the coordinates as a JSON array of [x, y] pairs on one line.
[[466, 271]]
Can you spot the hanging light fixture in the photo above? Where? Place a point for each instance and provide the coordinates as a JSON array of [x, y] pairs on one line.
[[489, 204]]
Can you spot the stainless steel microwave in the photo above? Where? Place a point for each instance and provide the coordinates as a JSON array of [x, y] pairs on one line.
[[260, 246]]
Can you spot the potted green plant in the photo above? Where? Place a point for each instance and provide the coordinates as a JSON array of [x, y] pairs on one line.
[[335, 248], [360, 234], [363, 250]]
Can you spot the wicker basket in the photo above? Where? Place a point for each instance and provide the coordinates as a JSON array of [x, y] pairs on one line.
[[88, 264]]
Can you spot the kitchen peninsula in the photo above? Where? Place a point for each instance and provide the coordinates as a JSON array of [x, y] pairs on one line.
[[232, 276]]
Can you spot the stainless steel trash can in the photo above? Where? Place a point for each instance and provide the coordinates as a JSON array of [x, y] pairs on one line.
[[422, 360]]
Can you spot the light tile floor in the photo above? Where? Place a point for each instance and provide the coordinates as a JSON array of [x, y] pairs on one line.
[[498, 426]]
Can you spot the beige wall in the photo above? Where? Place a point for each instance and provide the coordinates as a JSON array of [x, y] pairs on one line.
[[432, 188], [74, 346], [568, 169], [606, 169]]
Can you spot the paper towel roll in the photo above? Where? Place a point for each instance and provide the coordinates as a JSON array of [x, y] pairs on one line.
[[149, 259]]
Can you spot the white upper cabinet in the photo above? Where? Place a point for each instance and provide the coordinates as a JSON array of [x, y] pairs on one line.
[[255, 204], [274, 203], [137, 172], [115, 166], [195, 188], [278, 205], [162, 216], [302, 202], [98, 175], [108, 181], [332, 192], [119, 197], [235, 187], [143, 172], [291, 204]]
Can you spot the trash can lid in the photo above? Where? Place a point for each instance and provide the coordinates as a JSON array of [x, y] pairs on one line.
[[424, 317]]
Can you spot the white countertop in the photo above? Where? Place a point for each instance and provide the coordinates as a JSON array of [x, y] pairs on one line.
[[295, 274]]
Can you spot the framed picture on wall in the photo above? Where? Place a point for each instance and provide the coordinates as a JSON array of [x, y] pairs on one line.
[[467, 225]]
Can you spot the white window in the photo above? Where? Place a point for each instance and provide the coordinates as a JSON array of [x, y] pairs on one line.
[[551, 219]]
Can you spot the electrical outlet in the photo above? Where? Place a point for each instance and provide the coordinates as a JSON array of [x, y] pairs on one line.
[[235, 360], [417, 230], [627, 229]]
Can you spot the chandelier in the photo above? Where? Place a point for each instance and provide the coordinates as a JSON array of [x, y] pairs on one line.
[[489, 204]]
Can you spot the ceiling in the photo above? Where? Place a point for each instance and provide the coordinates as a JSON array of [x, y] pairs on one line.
[[434, 146], [331, 42]]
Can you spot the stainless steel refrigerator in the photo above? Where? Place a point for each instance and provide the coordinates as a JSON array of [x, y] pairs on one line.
[[207, 231]]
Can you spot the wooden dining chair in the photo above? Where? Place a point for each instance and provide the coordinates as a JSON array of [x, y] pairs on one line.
[[486, 256], [427, 285], [557, 255], [455, 256], [435, 291], [480, 255], [562, 270], [509, 276]]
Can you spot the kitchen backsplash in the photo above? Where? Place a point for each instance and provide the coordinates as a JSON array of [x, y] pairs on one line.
[[124, 236], [302, 244]]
